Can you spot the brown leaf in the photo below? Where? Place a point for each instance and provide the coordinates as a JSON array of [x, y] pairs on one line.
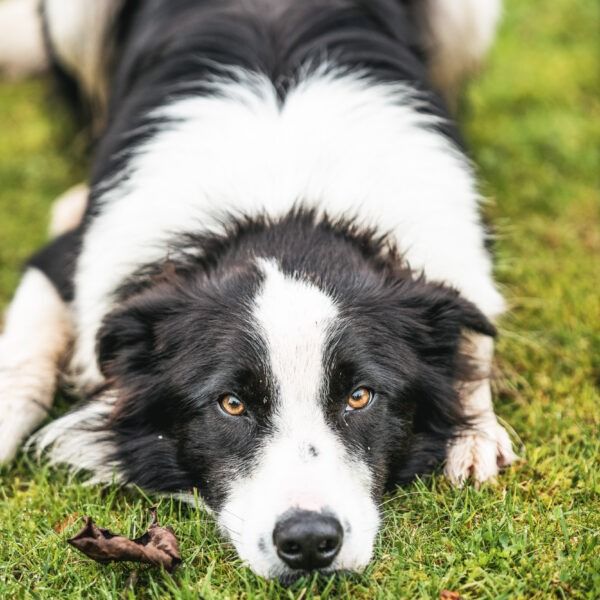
[[158, 546], [448, 595], [60, 526]]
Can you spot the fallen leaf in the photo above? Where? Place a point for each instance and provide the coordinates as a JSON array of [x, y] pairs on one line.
[[157, 547], [448, 595], [60, 526]]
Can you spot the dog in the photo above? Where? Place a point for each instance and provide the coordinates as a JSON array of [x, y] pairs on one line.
[[276, 290]]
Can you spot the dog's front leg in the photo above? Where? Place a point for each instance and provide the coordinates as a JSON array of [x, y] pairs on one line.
[[37, 333], [36, 336], [485, 446]]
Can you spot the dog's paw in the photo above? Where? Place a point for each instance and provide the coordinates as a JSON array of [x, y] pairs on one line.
[[21, 411], [14, 428], [479, 453]]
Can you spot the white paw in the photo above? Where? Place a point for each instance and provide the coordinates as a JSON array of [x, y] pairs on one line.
[[479, 453], [15, 425]]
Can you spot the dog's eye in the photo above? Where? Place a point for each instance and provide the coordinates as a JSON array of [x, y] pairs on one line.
[[359, 398], [232, 405]]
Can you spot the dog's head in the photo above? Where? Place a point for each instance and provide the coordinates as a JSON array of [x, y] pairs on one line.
[[290, 373]]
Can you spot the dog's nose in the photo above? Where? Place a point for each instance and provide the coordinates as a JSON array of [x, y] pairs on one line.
[[308, 540]]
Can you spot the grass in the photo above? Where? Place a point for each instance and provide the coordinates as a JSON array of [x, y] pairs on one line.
[[533, 121]]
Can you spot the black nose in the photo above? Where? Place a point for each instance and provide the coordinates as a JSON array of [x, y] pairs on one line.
[[308, 540]]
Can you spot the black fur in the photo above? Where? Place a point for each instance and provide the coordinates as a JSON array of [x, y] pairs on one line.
[[57, 260]]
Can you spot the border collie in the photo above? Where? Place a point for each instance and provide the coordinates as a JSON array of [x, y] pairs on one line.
[[277, 291]]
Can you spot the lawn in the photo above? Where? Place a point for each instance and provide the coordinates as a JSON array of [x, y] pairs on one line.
[[533, 122]]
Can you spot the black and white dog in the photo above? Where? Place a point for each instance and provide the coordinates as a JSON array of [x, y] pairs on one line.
[[277, 291]]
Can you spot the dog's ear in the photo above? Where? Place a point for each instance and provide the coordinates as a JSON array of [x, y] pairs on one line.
[[445, 305], [127, 340], [443, 309], [439, 317]]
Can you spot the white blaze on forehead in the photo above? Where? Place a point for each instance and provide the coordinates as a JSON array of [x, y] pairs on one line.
[[294, 317]]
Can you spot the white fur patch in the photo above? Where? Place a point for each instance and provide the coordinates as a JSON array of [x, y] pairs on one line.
[[22, 50], [340, 142], [294, 317], [79, 440], [303, 465], [36, 336], [459, 34]]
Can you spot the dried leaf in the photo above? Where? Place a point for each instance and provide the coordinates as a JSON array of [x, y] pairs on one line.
[[158, 546], [60, 526], [448, 595]]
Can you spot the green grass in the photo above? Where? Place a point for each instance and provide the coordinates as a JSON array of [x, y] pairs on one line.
[[533, 120]]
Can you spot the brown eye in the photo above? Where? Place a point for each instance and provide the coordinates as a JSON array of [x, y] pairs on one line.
[[232, 405], [360, 398]]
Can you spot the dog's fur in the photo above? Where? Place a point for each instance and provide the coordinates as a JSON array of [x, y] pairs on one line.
[[280, 208]]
